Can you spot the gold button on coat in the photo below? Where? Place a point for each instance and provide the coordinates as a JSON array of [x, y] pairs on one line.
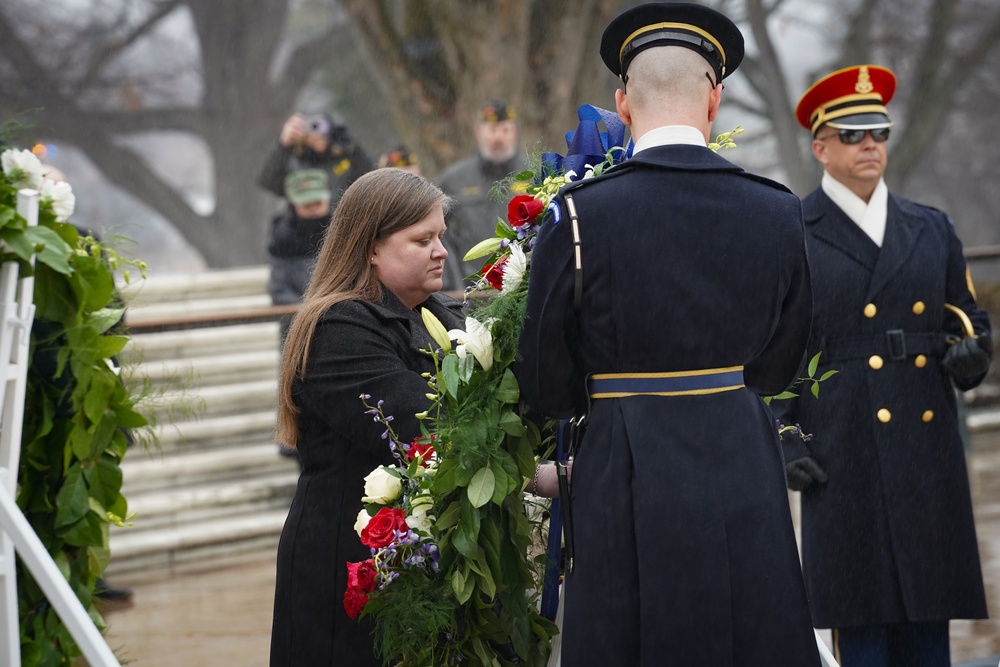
[[875, 362], [920, 361], [918, 308], [884, 416], [928, 415], [870, 310]]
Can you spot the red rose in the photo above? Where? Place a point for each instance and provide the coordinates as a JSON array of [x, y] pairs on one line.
[[494, 273], [523, 209], [420, 449], [378, 532], [354, 601], [361, 575]]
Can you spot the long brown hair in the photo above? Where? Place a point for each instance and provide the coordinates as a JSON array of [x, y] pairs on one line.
[[377, 205]]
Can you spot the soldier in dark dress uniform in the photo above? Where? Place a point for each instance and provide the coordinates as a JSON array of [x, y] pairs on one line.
[[361, 323], [888, 540], [695, 301]]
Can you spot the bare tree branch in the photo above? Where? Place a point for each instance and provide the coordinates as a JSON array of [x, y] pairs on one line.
[[102, 59]]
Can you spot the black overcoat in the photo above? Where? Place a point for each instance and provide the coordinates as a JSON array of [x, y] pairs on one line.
[[359, 347], [890, 537], [685, 553]]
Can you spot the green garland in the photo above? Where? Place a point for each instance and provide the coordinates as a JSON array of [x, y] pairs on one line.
[[77, 411]]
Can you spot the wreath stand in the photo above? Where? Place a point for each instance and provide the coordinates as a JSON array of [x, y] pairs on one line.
[[16, 315]]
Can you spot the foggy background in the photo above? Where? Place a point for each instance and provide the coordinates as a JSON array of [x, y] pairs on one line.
[[161, 112]]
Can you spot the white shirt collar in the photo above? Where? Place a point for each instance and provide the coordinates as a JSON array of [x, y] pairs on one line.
[[670, 134], [870, 216]]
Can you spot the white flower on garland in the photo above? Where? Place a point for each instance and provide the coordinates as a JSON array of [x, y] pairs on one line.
[[22, 167], [60, 196], [362, 522], [381, 487], [514, 269], [476, 339], [419, 518]]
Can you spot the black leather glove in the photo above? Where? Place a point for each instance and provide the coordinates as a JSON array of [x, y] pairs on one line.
[[966, 359], [803, 473]]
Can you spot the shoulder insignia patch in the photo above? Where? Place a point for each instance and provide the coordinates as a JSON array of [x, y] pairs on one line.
[[556, 212]]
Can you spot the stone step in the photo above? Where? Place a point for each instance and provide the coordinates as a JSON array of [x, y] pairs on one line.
[[194, 540], [166, 507], [243, 281], [154, 470], [169, 310], [217, 432], [212, 401], [218, 369], [198, 343]]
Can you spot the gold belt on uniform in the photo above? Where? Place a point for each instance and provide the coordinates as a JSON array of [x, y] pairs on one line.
[[677, 383]]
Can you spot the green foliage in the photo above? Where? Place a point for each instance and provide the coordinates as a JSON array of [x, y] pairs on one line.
[[76, 415]]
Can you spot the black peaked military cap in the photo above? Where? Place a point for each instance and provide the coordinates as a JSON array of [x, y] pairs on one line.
[[686, 24]]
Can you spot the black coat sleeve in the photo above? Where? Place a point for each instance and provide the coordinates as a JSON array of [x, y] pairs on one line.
[[272, 175], [780, 362], [958, 293], [355, 353]]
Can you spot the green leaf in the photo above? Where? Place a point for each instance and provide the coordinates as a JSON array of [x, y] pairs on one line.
[[128, 417], [52, 250], [458, 578], [18, 241], [466, 366], [449, 375], [526, 175], [828, 374], [84, 532], [449, 517], [814, 364], [105, 318], [462, 543], [508, 392], [815, 389], [469, 525], [481, 487], [510, 422], [72, 501]]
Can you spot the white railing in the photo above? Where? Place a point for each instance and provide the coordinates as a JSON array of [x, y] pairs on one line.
[[16, 534]]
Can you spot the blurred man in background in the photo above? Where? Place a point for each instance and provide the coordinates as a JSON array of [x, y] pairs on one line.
[[469, 181]]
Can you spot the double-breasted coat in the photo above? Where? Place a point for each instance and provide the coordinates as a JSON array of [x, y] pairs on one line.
[[890, 537], [685, 553], [358, 348]]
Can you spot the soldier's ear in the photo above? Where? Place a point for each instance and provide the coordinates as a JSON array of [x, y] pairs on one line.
[[622, 107], [819, 151]]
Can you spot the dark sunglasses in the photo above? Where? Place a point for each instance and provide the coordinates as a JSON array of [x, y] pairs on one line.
[[851, 137]]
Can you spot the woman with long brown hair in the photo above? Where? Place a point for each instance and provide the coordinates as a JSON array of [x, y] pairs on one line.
[[359, 331]]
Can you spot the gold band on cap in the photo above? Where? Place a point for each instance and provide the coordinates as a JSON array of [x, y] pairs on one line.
[[821, 115], [664, 26]]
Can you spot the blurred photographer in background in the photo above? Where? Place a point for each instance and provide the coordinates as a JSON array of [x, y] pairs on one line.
[[315, 142]]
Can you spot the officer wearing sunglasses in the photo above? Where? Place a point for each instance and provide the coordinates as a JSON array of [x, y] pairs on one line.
[[889, 548]]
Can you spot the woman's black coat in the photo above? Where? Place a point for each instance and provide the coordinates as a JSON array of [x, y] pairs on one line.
[[358, 348]]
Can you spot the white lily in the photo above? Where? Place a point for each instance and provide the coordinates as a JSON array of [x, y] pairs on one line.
[[513, 270], [477, 340], [23, 168], [61, 196]]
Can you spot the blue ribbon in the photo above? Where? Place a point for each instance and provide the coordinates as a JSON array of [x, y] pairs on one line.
[[553, 552], [587, 144]]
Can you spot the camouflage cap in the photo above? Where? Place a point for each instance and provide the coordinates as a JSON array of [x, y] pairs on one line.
[[306, 186]]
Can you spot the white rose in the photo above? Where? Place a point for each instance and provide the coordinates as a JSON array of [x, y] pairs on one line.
[[419, 518], [381, 487], [22, 167], [60, 196], [476, 339], [363, 519], [513, 270]]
